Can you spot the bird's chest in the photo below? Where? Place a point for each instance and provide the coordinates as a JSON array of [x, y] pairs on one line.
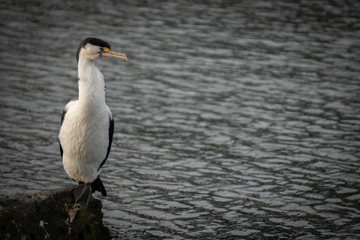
[[86, 131]]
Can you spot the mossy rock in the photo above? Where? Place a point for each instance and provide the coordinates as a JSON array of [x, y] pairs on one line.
[[51, 215]]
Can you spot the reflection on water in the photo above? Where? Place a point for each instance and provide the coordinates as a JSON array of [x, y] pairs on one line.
[[233, 120]]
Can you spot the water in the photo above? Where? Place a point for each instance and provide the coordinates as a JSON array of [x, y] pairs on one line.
[[232, 120]]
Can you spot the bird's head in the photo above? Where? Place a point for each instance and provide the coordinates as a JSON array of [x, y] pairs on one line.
[[94, 48]]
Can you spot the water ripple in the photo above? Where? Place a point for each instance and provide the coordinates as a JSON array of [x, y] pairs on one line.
[[234, 120]]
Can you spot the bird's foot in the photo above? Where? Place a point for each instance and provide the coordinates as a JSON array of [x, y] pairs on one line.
[[82, 193]]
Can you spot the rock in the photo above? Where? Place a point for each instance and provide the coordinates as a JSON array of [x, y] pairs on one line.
[[50, 215]]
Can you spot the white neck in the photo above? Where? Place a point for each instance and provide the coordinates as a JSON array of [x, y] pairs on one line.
[[91, 84]]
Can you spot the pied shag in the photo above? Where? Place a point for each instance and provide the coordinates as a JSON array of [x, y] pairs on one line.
[[87, 125]]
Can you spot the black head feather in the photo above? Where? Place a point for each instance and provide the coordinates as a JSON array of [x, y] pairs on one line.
[[93, 41]]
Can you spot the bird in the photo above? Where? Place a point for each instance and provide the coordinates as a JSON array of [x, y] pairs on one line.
[[87, 124]]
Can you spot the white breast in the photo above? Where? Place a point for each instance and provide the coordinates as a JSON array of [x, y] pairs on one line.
[[84, 134], [84, 138]]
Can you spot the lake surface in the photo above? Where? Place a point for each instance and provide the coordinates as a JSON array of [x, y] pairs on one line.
[[233, 119]]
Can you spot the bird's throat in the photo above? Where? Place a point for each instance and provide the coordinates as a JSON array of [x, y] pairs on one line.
[[91, 85]]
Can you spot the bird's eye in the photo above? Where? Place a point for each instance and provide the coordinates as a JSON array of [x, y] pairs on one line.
[[104, 49]]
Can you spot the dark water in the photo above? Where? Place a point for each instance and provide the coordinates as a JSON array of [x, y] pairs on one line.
[[233, 119]]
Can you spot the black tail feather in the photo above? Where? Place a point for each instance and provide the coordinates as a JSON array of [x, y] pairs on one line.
[[82, 193], [97, 185]]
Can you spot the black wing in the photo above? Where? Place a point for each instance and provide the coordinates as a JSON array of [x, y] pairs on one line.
[[62, 119], [111, 133]]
